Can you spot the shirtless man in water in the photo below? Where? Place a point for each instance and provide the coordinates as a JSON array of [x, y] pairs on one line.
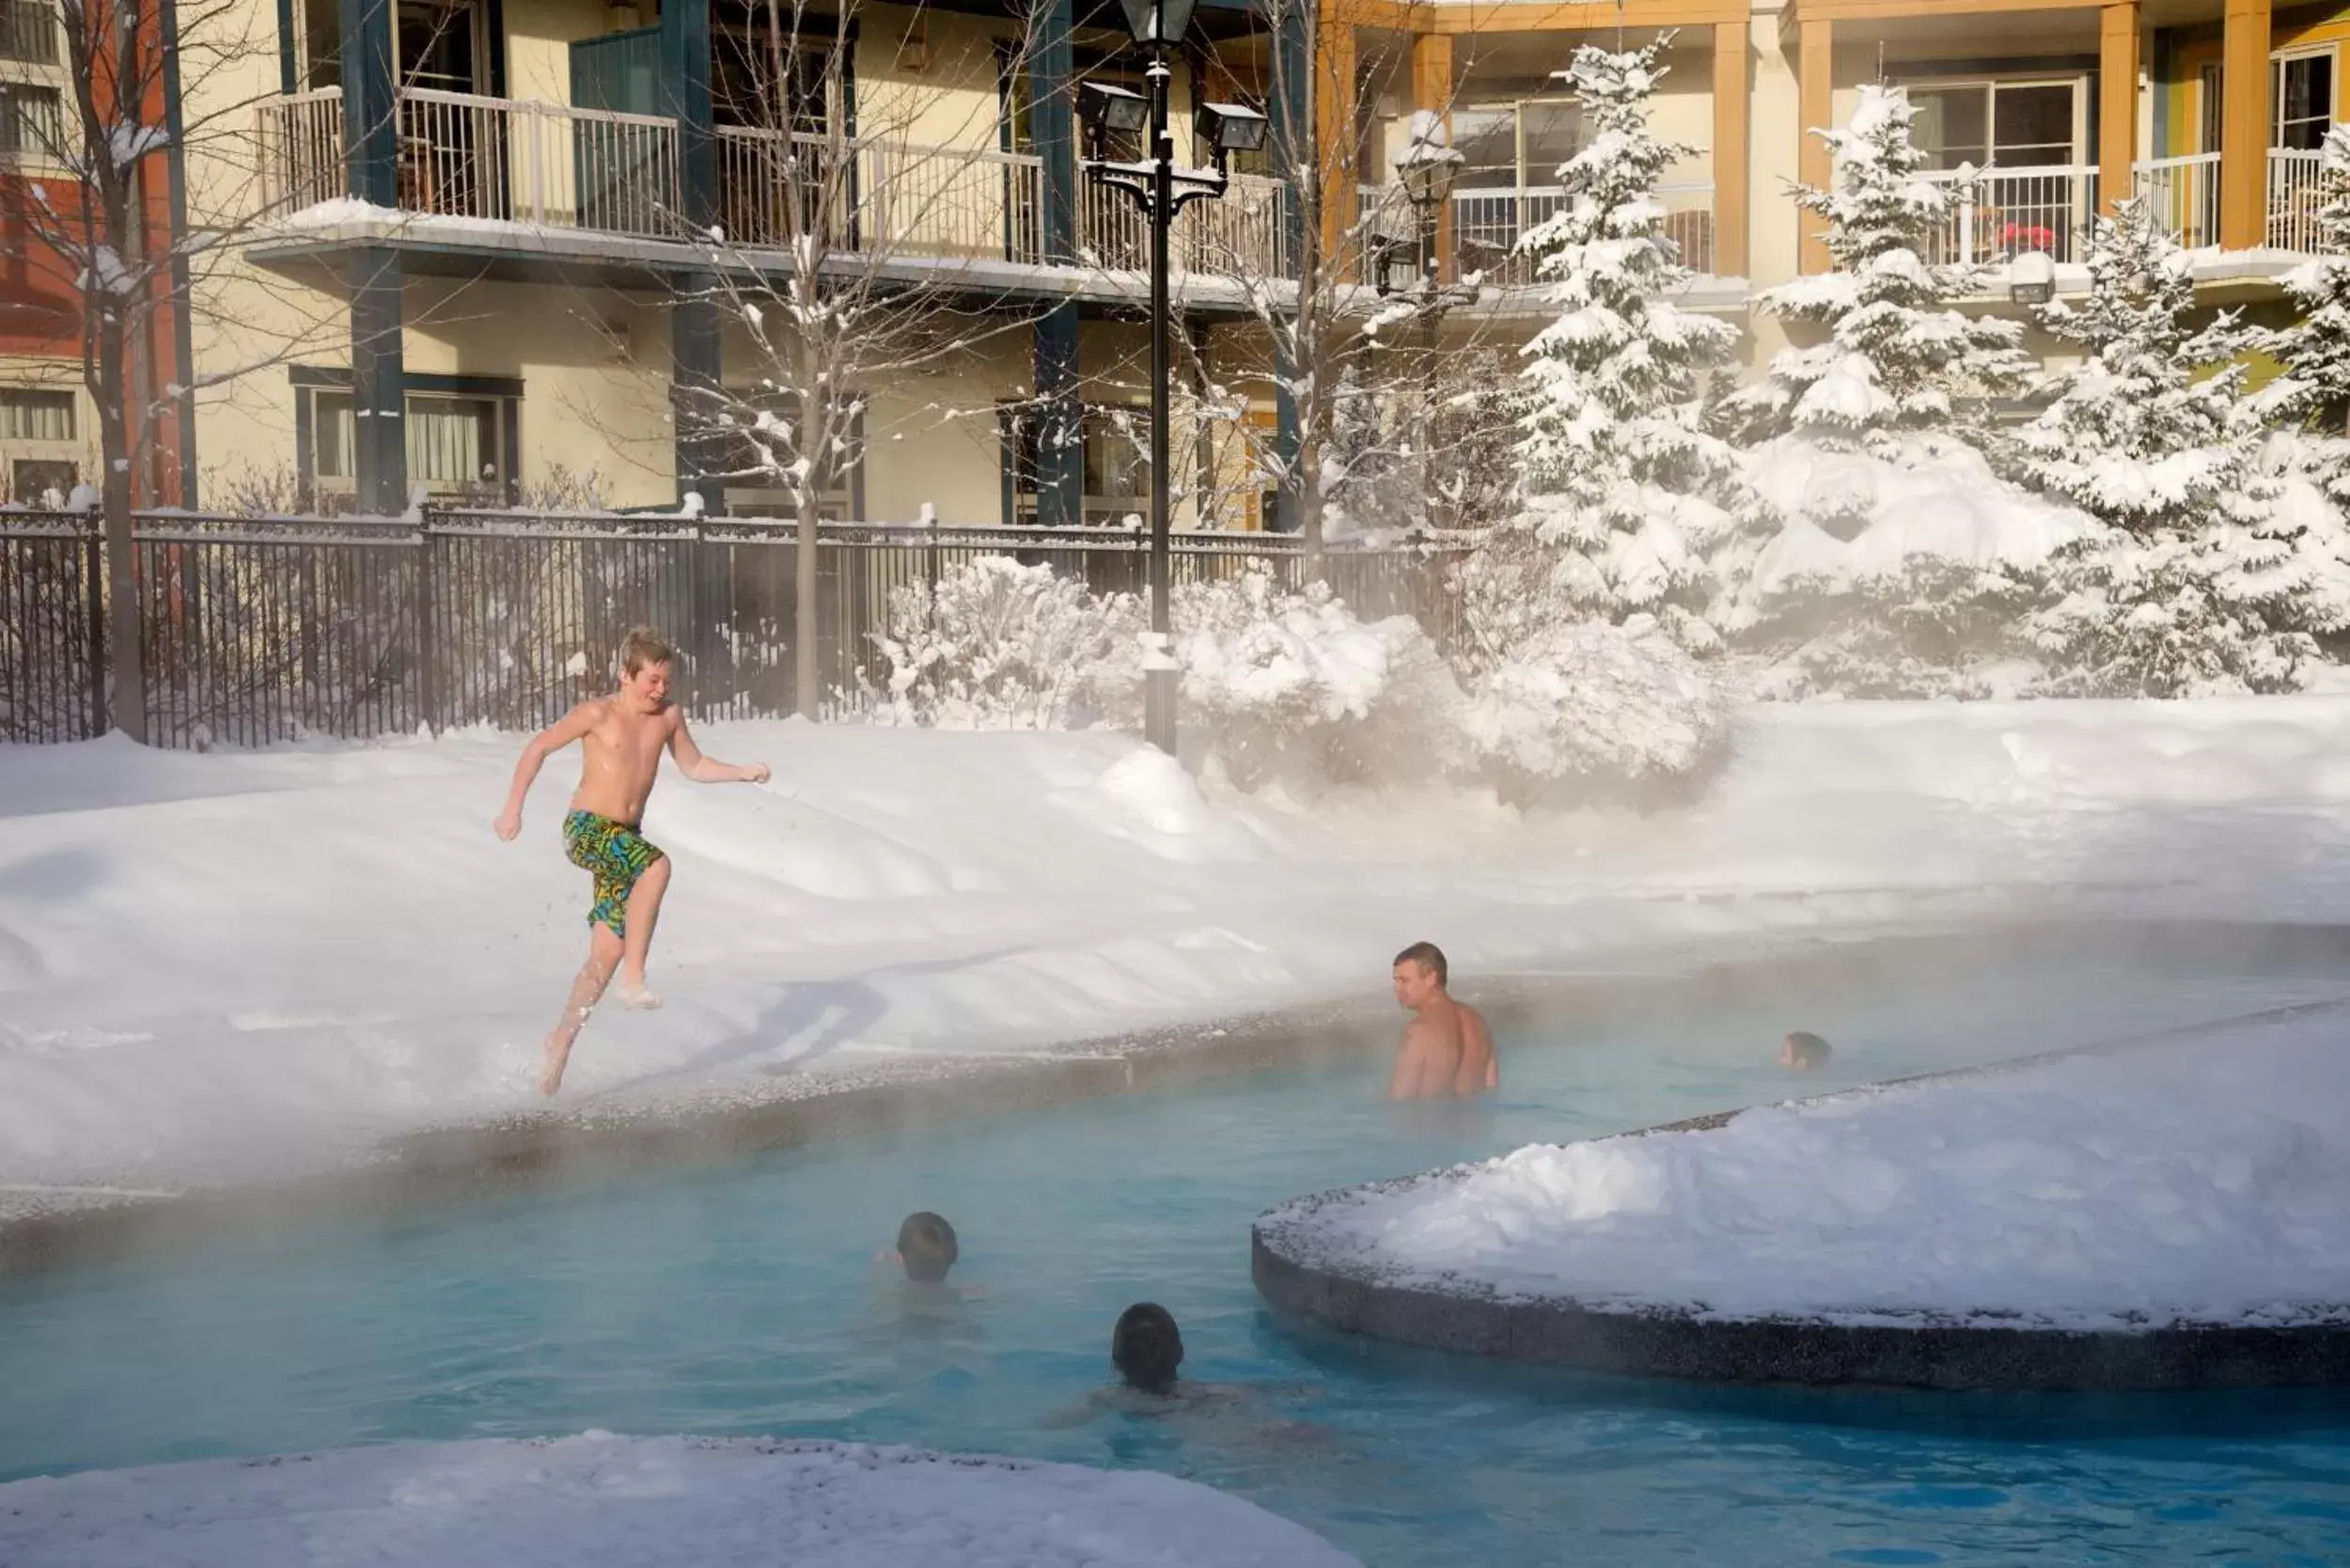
[[1448, 1052], [621, 738]]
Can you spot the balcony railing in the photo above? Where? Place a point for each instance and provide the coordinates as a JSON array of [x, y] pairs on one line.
[[2001, 213], [525, 161], [2183, 195], [1489, 223], [2294, 194]]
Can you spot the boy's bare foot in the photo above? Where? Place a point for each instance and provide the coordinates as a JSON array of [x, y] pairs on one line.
[[551, 1073], [638, 997]]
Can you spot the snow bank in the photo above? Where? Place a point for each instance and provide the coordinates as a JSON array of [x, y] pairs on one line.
[[661, 1502], [2196, 1180], [224, 964]]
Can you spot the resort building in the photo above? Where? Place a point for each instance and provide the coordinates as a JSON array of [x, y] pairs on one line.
[[498, 250]]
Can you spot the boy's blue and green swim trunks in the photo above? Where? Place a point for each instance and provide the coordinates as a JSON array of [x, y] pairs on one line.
[[616, 855]]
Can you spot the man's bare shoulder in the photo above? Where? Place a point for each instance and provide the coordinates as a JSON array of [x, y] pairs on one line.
[[1473, 1019]]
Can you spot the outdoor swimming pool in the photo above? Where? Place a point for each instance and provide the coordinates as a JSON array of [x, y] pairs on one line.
[[742, 1299]]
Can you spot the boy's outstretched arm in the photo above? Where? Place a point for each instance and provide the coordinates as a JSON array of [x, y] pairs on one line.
[[709, 770], [571, 726]]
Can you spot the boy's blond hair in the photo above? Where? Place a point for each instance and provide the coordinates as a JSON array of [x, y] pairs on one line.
[[644, 646]]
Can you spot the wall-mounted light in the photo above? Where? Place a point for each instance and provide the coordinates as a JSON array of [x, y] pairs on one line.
[[2031, 278]]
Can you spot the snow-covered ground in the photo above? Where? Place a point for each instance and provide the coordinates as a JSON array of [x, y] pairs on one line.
[[659, 1503], [217, 965], [2201, 1179]]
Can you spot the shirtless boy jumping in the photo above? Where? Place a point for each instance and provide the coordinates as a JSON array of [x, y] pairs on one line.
[[621, 737], [1447, 1053]]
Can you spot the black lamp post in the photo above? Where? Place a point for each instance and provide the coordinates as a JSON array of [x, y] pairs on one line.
[[1426, 170], [1159, 188]]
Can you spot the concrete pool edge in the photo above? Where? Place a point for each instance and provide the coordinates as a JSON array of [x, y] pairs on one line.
[[1300, 1272], [415, 1173]]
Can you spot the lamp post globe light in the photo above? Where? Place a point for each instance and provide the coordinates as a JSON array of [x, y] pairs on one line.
[[1159, 188]]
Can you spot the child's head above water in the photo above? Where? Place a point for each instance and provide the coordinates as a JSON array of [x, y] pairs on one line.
[[1147, 1347], [926, 1244], [1804, 1051]]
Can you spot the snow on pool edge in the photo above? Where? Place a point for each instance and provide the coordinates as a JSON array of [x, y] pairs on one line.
[[644, 1502], [2188, 1181]]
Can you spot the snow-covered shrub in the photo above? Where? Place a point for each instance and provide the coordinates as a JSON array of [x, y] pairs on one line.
[[996, 645], [2201, 580], [1901, 575], [1293, 688], [1590, 710]]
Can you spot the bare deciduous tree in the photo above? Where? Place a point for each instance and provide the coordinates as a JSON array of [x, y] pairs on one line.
[[855, 261]]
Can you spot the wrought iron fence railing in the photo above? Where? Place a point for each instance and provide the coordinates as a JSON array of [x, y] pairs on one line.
[[257, 632]]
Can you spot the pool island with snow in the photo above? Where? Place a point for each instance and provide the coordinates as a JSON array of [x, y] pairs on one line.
[[2163, 1213]]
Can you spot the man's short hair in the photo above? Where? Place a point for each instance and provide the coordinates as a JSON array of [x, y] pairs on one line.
[[1146, 1347], [644, 646], [1429, 957], [927, 1243]]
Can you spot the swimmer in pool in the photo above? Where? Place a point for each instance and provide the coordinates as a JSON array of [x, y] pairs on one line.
[[1447, 1052], [1146, 1351], [1802, 1052]]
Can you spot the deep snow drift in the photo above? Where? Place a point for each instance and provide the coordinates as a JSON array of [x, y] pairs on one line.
[[2200, 1179], [216, 965], [661, 1502]]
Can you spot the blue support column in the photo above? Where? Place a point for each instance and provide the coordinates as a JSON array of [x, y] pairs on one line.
[[372, 146], [1053, 124], [1061, 468], [685, 60], [379, 384], [1291, 135], [697, 373], [370, 101]]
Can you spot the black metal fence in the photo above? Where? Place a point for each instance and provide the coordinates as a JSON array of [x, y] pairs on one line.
[[257, 631]]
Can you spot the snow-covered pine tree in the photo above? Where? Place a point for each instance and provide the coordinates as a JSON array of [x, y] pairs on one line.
[[1896, 356], [1624, 491], [2199, 581], [2313, 351]]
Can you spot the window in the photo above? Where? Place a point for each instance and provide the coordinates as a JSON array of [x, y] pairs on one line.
[[2301, 100], [844, 491], [2211, 109], [41, 481], [1116, 462], [28, 32], [26, 415], [1515, 146], [31, 119], [742, 88], [456, 444], [2004, 124]]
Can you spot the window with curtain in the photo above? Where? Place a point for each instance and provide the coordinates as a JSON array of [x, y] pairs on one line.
[[32, 120], [28, 414], [454, 444], [28, 32]]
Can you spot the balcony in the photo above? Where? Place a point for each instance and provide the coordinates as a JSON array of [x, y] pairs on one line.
[[1488, 224], [528, 163]]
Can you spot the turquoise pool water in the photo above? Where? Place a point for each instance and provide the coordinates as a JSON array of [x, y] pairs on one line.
[[744, 1299]]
